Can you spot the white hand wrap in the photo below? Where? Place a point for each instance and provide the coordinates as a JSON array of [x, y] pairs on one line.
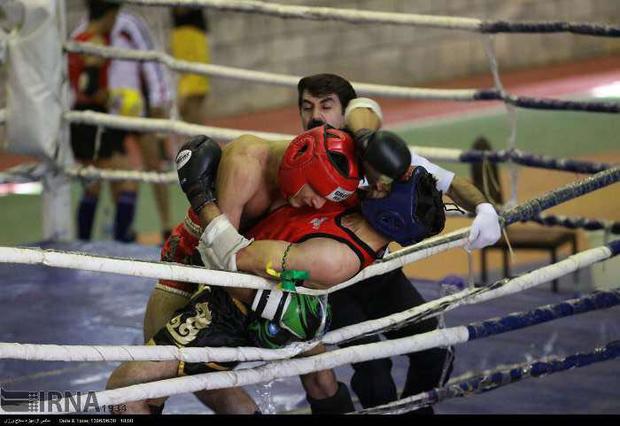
[[485, 230], [270, 304], [219, 244], [363, 103]]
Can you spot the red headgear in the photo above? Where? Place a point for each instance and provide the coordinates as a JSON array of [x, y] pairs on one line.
[[324, 158]]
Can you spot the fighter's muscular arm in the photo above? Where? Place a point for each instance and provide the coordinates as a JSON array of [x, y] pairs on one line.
[[363, 116], [238, 179], [465, 194], [328, 261]]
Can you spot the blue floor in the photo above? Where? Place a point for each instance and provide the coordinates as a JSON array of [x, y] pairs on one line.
[[62, 306]]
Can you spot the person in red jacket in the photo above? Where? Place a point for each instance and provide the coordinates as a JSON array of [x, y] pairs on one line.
[[102, 148]]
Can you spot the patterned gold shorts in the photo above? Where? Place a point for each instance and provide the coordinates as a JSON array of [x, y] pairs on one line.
[[211, 318]]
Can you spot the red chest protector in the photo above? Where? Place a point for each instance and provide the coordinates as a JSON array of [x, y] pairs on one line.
[[300, 224], [285, 223]]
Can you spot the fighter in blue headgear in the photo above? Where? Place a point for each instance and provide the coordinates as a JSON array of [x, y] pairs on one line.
[[411, 212]]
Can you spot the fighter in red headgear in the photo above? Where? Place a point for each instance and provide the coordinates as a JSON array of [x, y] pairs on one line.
[[324, 158]]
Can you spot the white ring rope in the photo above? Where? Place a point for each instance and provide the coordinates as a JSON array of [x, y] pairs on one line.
[[194, 274], [220, 133], [287, 368], [180, 127], [472, 296], [202, 275], [90, 172], [264, 77], [207, 354], [400, 258], [110, 353], [324, 13], [281, 369], [137, 268], [162, 125]]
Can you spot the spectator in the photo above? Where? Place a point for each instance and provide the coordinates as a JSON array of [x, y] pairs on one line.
[[189, 42], [102, 148]]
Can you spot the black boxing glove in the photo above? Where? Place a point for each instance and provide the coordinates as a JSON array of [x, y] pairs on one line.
[[197, 163], [386, 152]]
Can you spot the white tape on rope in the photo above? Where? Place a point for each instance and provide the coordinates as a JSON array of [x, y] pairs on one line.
[[138, 268], [70, 353]]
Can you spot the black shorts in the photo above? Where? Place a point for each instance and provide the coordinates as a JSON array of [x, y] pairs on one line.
[[83, 138], [211, 318]]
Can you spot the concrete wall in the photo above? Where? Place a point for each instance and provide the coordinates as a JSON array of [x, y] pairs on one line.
[[380, 53]]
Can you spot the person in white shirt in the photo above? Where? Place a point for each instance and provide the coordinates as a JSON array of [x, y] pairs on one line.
[[330, 99]]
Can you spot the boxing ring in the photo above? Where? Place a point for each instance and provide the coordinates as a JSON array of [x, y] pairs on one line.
[[83, 303]]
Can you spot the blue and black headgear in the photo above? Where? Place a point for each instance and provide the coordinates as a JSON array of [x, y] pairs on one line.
[[411, 212]]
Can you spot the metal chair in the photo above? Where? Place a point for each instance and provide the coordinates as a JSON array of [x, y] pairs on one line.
[[521, 236]]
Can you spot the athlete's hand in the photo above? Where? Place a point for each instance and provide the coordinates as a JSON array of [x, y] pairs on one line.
[[485, 230], [197, 163]]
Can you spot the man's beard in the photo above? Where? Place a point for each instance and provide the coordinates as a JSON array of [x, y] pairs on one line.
[[315, 123]]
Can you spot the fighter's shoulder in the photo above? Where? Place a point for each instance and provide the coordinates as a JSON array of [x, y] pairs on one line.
[[337, 259]]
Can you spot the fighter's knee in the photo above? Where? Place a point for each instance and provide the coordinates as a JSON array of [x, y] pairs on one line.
[[321, 384], [134, 372], [228, 401]]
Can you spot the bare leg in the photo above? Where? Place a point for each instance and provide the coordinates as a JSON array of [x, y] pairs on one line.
[[319, 384], [160, 308], [150, 148], [118, 162], [134, 372], [324, 393], [228, 401], [191, 108]]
